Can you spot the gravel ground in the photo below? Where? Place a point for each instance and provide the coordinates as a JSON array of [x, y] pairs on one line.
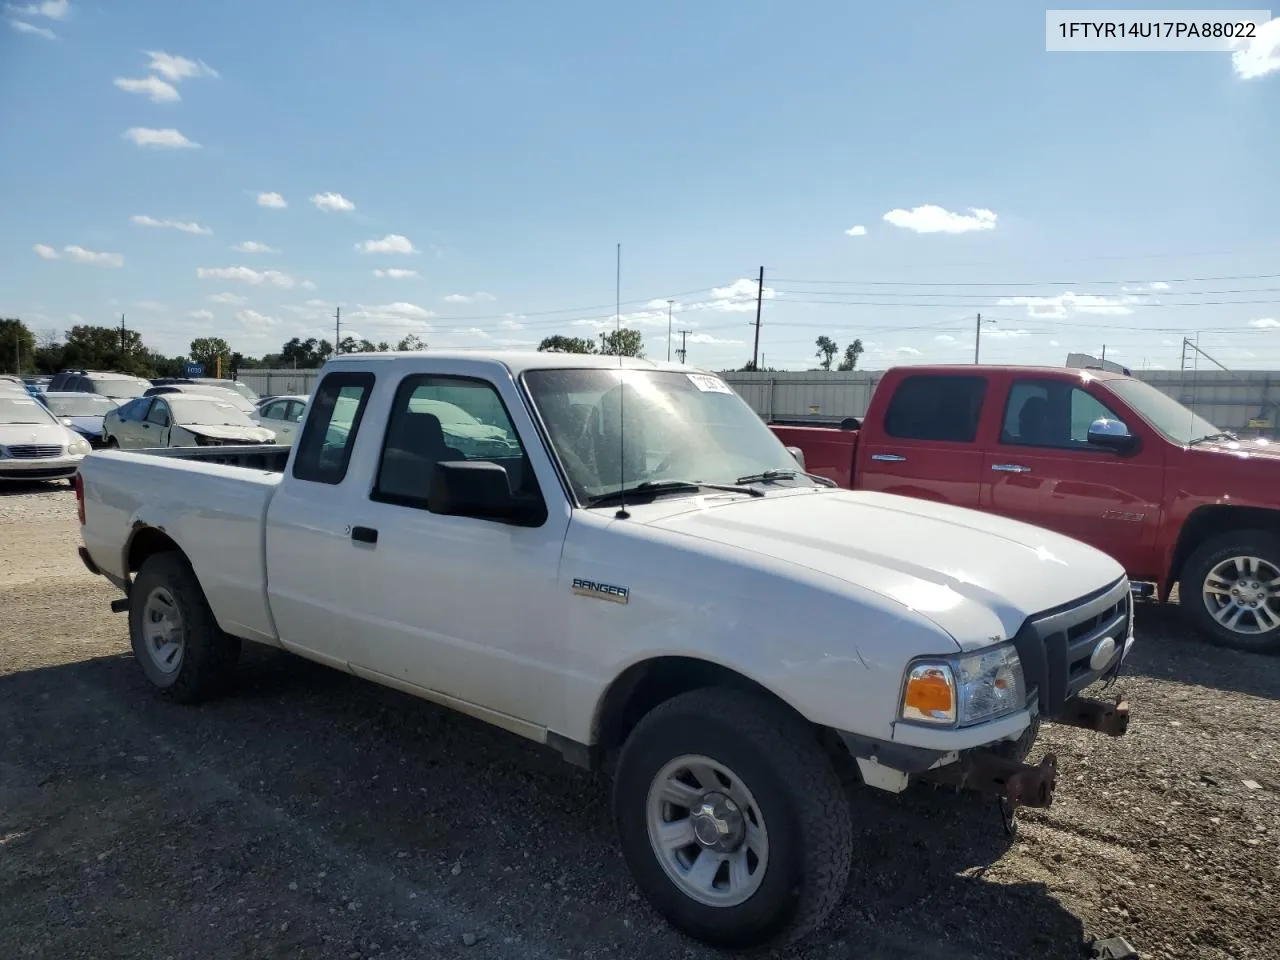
[[311, 814]]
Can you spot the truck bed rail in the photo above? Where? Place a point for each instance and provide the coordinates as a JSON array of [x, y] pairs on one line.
[[254, 456]]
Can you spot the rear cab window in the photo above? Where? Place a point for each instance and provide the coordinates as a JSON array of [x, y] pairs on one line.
[[936, 407], [333, 424]]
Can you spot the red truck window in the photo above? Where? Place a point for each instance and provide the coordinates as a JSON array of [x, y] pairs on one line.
[[1050, 413], [936, 407]]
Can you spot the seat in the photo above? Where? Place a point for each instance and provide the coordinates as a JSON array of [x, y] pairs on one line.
[[1033, 421], [415, 444]]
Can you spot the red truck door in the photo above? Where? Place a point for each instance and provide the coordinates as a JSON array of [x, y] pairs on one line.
[[1040, 468], [922, 441]]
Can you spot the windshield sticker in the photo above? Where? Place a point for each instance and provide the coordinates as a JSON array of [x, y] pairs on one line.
[[709, 384]]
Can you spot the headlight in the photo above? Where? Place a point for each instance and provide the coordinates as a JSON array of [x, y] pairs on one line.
[[78, 447], [964, 690]]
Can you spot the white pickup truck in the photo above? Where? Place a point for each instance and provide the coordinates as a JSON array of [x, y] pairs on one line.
[[622, 561]]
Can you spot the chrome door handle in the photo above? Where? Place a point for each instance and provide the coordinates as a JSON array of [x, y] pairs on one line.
[[1010, 468], [888, 457]]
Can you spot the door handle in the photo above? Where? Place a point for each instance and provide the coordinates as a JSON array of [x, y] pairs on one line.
[[888, 457], [1010, 468], [364, 534]]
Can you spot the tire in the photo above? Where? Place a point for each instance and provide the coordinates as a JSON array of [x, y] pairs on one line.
[[1236, 561], [200, 661], [112, 443], [793, 801]]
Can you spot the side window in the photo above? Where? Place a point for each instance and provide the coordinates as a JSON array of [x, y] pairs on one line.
[[274, 411], [936, 407], [159, 414], [438, 418], [324, 449], [1050, 413], [135, 410]]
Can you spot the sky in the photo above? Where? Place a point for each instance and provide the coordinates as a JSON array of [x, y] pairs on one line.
[[466, 172]]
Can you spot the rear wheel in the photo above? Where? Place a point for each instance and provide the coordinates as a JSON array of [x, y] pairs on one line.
[[174, 635], [112, 443], [732, 819], [1230, 589]]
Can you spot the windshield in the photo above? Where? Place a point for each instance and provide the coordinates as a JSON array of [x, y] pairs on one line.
[[678, 426], [84, 405], [1164, 413], [125, 389], [233, 385], [210, 413], [18, 410]]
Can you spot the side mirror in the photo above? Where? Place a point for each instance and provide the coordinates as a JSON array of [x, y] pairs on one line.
[[1111, 434], [481, 489], [798, 454]]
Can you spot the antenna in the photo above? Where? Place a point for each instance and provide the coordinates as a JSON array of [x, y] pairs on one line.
[[622, 513]]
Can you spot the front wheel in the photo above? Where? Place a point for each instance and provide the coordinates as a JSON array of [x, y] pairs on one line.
[[1230, 589], [732, 819]]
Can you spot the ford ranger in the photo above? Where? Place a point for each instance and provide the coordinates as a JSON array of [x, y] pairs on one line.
[[626, 565], [1096, 455]]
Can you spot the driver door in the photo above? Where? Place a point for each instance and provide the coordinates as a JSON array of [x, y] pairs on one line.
[[155, 429]]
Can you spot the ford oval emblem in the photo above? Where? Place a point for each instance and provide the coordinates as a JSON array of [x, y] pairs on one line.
[[1103, 653]]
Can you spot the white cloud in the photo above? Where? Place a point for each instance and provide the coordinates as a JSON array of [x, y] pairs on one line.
[[907, 351], [1159, 285], [272, 278], [391, 313], [396, 273], [512, 321], [332, 201], [156, 89], [253, 246], [185, 226], [1261, 55], [81, 255], [737, 297], [706, 338], [232, 298], [391, 243], [1054, 343], [53, 9], [200, 315], [933, 219], [151, 306], [45, 251], [252, 318], [168, 138], [945, 338], [273, 200], [857, 230], [478, 297], [1003, 333], [23, 27], [178, 68], [1265, 323], [1064, 304], [307, 285]]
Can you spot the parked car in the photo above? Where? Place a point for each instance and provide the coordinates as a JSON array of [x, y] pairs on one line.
[[674, 599], [204, 390], [34, 445], [117, 386], [180, 420], [82, 412], [1096, 455], [236, 386], [281, 415]]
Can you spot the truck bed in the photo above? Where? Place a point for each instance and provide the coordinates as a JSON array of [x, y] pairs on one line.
[[828, 449]]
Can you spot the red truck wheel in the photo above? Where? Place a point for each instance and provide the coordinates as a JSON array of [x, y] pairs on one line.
[[1230, 590]]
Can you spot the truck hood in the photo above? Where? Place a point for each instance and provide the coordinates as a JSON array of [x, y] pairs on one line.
[[228, 432], [973, 574]]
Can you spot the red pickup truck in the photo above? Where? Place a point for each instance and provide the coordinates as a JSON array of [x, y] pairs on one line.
[[1102, 457]]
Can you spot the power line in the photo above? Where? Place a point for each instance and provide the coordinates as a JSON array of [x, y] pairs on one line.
[[1027, 283]]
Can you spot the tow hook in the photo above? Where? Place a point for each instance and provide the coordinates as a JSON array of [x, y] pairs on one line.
[[1019, 784], [1109, 717]]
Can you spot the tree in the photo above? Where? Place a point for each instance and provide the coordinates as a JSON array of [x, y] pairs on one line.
[[305, 354], [826, 351], [214, 353], [17, 347], [623, 343], [105, 348], [851, 354], [562, 344], [352, 345], [412, 342]]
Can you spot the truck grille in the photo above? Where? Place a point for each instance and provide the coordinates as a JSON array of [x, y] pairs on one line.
[[1056, 646], [31, 451]]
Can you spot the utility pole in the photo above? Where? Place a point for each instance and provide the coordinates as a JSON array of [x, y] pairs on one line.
[[684, 349], [602, 341], [337, 330], [669, 303], [755, 350], [977, 338], [1104, 356], [122, 333]]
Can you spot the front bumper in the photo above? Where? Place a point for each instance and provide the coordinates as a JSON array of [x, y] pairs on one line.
[[39, 468]]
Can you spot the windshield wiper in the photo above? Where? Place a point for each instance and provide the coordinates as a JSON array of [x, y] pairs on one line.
[[1210, 437], [766, 475], [654, 487]]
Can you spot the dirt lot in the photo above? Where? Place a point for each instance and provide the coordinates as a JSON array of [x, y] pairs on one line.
[[314, 815]]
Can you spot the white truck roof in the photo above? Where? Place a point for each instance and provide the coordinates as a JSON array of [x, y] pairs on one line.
[[517, 361]]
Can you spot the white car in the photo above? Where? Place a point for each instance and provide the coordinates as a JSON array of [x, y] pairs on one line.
[[34, 444], [180, 420], [281, 415], [629, 567], [225, 394]]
